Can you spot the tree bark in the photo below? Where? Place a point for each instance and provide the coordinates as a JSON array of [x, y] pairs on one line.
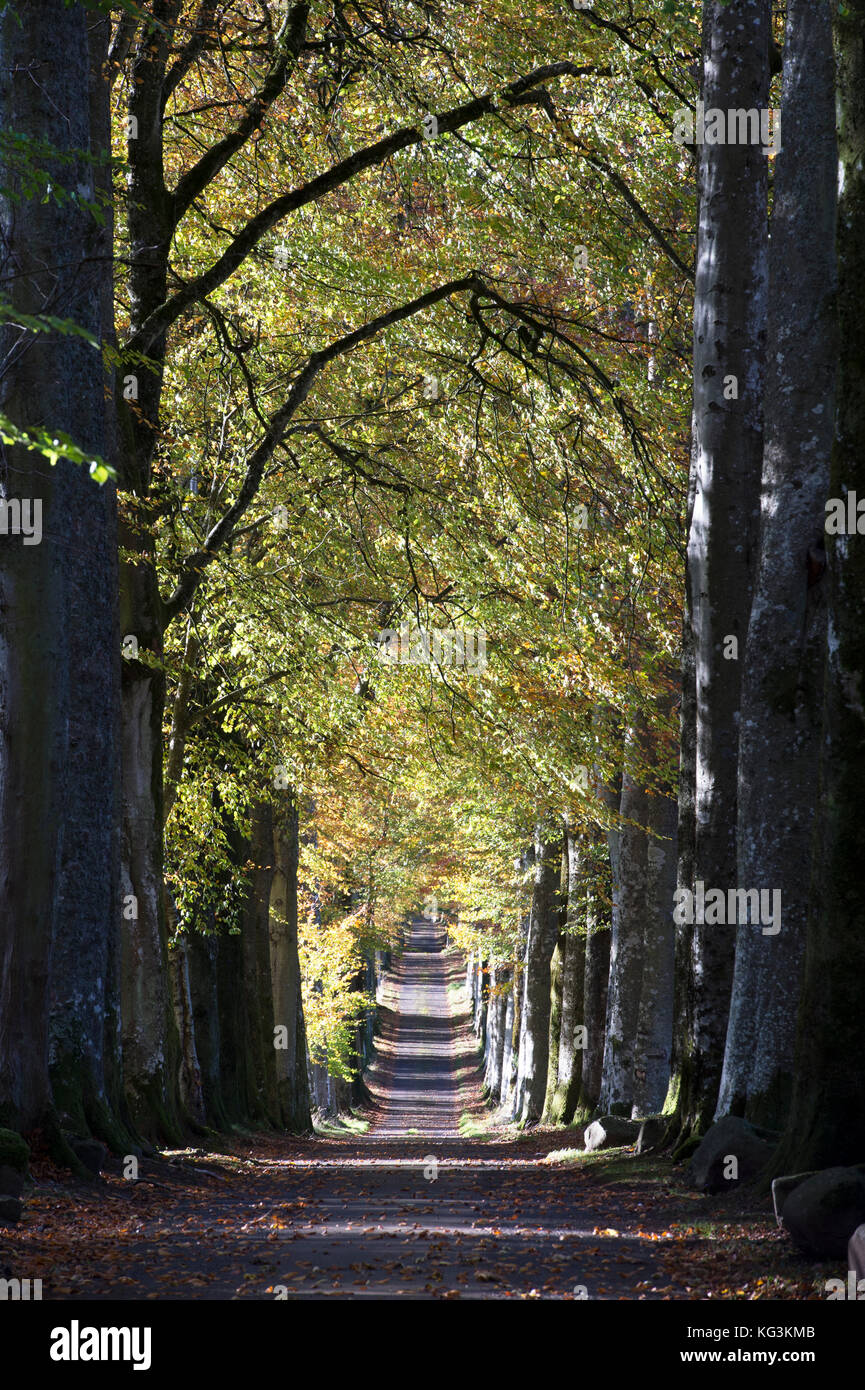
[[655, 1019], [598, 940], [500, 976], [730, 304], [58, 598], [190, 1081], [544, 926], [204, 994], [514, 1044], [827, 1120], [555, 1028], [626, 947], [782, 679], [291, 1062], [569, 1057], [257, 986]]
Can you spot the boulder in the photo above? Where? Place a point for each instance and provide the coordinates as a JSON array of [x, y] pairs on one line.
[[10, 1210], [652, 1131], [14, 1158], [610, 1132], [822, 1213], [14, 1152], [711, 1167], [11, 1182], [89, 1152], [856, 1253], [782, 1187]]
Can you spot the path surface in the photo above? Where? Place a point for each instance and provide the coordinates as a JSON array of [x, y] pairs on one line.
[[421, 1093], [411, 1208]]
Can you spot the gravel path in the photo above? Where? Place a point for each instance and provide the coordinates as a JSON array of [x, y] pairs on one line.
[[422, 1094]]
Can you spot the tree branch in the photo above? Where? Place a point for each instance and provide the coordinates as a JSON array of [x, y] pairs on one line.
[[289, 42], [195, 564], [162, 318]]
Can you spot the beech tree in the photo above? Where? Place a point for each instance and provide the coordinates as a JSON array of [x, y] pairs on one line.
[[730, 307], [824, 1124], [59, 882], [784, 657]]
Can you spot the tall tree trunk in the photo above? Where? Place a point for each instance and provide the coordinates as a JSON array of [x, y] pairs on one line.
[[257, 985], [730, 303], [511, 1033], [497, 1011], [626, 947], [291, 1062], [190, 1081], [555, 1028], [544, 927], [58, 646], [782, 680], [514, 1044], [569, 1055], [681, 1060], [204, 994], [150, 1041], [655, 1019], [598, 940], [151, 1046], [827, 1119], [84, 1038], [233, 1032]]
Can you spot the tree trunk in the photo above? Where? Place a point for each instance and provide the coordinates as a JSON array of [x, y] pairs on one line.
[[498, 1009], [204, 994], [555, 1029], [626, 947], [151, 1047], [233, 1041], [598, 940], [191, 1089], [515, 1044], [729, 348], [257, 985], [655, 1020], [569, 1056], [782, 680], [84, 1036], [827, 1119], [58, 598], [291, 1061], [509, 1052], [479, 997], [544, 927], [150, 1041], [681, 1059]]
